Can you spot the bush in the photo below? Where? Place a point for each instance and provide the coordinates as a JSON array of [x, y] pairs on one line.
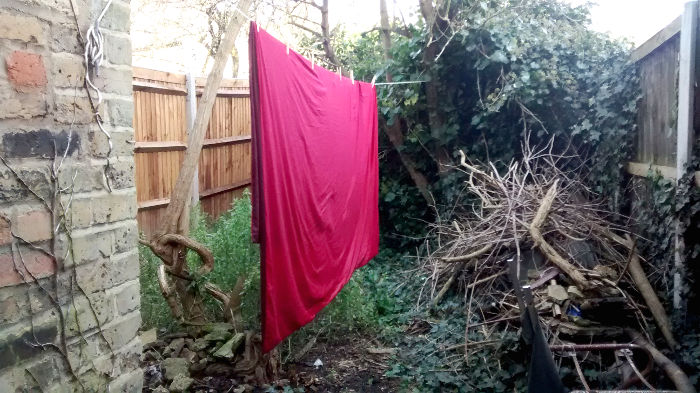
[[228, 238], [361, 305]]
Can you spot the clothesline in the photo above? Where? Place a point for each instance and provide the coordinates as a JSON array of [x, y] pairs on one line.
[[398, 83], [312, 61]]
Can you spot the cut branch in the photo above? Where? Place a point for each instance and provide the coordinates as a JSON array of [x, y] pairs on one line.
[[546, 248], [674, 373]]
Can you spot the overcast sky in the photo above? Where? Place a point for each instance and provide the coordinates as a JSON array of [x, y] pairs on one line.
[[636, 20]]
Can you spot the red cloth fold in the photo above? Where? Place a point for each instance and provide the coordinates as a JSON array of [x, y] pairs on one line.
[[315, 182]]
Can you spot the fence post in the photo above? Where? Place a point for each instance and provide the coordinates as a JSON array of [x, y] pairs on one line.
[[684, 135], [191, 113]]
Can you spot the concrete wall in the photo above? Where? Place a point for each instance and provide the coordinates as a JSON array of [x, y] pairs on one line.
[[69, 290]]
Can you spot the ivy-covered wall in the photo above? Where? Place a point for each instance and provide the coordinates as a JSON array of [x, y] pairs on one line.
[[69, 290]]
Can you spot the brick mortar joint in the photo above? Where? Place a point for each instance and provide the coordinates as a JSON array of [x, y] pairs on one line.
[[114, 291], [102, 228]]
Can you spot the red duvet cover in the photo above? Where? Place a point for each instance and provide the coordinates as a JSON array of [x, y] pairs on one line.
[[314, 182]]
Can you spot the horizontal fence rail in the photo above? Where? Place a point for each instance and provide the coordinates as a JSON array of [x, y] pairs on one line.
[[160, 128]]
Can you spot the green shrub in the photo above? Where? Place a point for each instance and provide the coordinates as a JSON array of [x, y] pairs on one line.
[[228, 238], [361, 305]]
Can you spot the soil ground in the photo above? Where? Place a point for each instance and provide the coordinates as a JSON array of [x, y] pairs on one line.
[[347, 367]]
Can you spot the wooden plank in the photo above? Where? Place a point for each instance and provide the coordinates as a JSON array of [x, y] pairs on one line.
[[686, 87], [642, 170], [229, 140], [219, 190], [657, 40], [229, 83], [667, 172], [164, 76], [147, 147], [157, 88], [153, 203], [685, 137], [228, 93]]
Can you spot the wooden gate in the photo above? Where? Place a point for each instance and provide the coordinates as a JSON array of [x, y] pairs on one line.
[[160, 128]]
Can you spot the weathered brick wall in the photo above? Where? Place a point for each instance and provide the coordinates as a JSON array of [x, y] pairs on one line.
[[69, 291]]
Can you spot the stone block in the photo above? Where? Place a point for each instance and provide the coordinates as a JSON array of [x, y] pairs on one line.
[[128, 298], [128, 383], [122, 361], [121, 112], [67, 70], [86, 313], [92, 246], [72, 109], [39, 143], [16, 341], [124, 267], [13, 304], [22, 28], [5, 232], [174, 367], [126, 238], [16, 105], [114, 207], [81, 178], [64, 38], [33, 226], [123, 330], [81, 213], [121, 174], [117, 49], [122, 143], [116, 80], [12, 268], [118, 17], [26, 71], [14, 190], [107, 274]]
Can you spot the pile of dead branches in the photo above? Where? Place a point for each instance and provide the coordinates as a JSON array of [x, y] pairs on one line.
[[584, 273]]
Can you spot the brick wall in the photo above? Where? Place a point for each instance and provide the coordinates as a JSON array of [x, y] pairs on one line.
[[69, 291]]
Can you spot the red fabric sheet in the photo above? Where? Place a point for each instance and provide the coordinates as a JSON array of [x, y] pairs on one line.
[[315, 182]]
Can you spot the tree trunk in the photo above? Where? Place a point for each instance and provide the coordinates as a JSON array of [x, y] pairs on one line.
[[395, 132], [183, 185], [176, 219], [326, 35], [435, 116]]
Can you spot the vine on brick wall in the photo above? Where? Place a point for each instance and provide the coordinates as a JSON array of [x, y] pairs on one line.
[[71, 340], [63, 279]]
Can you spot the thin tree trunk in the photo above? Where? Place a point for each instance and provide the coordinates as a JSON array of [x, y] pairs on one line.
[[435, 116], [395, 132], [326, 35], [176, 219], [183, 185]]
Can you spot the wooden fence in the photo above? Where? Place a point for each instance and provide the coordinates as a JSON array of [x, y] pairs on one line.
[[667, 73], [161, 116], [667, 113]]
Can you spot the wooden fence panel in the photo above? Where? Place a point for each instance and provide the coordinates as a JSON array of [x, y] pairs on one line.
[[161, 141], [658, 107], [658, 60]]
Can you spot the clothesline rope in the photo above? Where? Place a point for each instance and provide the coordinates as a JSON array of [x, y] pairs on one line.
[[398, 83]]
